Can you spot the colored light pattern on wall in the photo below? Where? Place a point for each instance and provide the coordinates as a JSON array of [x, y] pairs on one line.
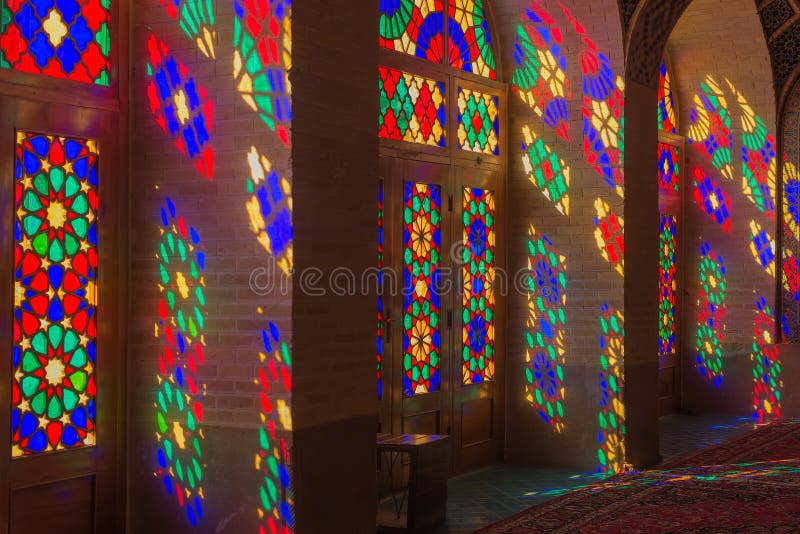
[[667, 284], [791, 233], [478, 272], [416, 27], [276, 497], [711, 314], [546, 331], [714, 201], [180, 324], [711, 126], [262, 58], [759, 165], [610, 235], [669, 167], [478, 121], [667, 121], [180, 106], [412, 108], [196, 19], [422, 238], [540, 75], [767, 368], [270, 209], [611, 418], [53, 386], [762, 247], [603, 108], [546, 170], [65, 39], [379, 348]]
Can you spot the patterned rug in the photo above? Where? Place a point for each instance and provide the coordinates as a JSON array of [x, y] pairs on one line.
[[748, 484]]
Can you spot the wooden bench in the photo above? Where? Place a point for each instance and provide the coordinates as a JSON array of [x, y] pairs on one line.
[[425, 495]]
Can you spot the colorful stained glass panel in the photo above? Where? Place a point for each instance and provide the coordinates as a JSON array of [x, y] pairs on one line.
[[412, 108], [414, 27], [667, 284], [478, 121], [667, 121], [470, 40], [669, 172]]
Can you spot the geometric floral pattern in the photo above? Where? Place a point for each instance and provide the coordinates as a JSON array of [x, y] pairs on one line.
[[668, 285], [667, 121], [478, 121], [711, 126], [412, 108], [180, 106], [196, 19], [545, 353], [611, 431], [69, 40], [478, 274], [470, 43], [791, 233], [546, 170], [711, 314], [262, 58], [669, 174], [422, 244], [55, 294], [762, 247], [767, 383], [610, 236], [179, 327], [713, 200], [540, 77]]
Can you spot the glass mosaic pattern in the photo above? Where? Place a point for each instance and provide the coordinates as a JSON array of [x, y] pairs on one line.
[[548, 172], [667, 284], [412, 108], [478, 121]]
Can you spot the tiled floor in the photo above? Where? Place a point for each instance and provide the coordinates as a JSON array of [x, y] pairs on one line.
[[482, 497]]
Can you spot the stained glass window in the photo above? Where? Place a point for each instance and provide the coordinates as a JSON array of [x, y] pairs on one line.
[[668, 284], [478, 121], [540, 75], [767, 368], [711, 126], [180, 105], [762, 247], [669, 173], [791, 235], [414, 27], [545, 334], [412, 108], [196, 19], [470, 46], [713, 200], [270, 209], [711, 314], [546, 170], [179, 328], [262, 58], [611, 418], [65, 39], [609, 234], [422, 238], [53, 387], [667, 121], [478, 273]]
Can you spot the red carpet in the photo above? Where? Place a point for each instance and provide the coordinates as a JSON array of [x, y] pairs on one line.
[[748, 484]]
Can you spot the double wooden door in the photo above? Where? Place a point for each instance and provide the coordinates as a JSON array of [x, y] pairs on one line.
[[442, 304]]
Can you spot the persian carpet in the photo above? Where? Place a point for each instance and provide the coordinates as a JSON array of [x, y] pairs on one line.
[[748, 484]]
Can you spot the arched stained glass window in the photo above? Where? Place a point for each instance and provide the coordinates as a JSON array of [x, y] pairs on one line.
[[667, 121], [417, 28]]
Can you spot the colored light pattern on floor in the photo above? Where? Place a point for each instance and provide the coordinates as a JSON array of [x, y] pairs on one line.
[[609, 234], [196, 19], [262, 58], [414, 27], [478, 272], [711, 126], [667, 121], [422, 243], [546, 331], [767, 367], [711, 315], [759, 164], [546, 170], [412, 108], [669, 167], [470, 41], [276, 496], [540, 75], [270, 209], [762, 247], [478, 121], [65, 39], [611, 418], [667, 284], [180, 106], [791, 232], [379, 348], [53, 386], [180, 325], [603, 108], [714, 201]]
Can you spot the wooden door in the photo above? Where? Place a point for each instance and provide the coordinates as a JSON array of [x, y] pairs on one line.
[[62, 188]]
